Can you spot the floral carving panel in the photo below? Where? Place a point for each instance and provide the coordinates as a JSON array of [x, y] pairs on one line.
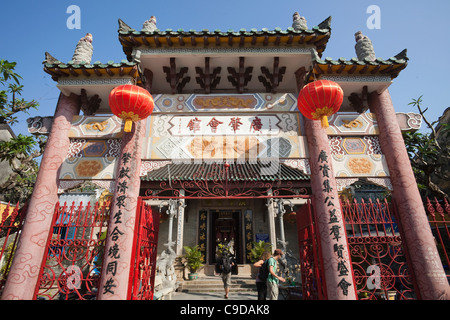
[[88, 168], [372, 165]]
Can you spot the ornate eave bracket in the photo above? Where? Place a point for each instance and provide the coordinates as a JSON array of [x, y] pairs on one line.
[[272, 80], [177, 80], [89, 106], [359, 102], [206, 79], [239, 79]]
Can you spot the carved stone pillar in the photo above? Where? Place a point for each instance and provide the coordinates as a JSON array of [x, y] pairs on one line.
[[119, 242], [180, 225], [24, 272], [271, 218], [331, 228], [427, 266]]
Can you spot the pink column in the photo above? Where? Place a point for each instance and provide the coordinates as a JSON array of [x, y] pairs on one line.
[[119, 243], [23, 276], [427, 267], [331, 228]]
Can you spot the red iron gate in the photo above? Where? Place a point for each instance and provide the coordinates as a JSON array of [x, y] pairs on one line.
[[379, 259], [313, 282], [10, 226], [142, 275], [73, 259], [439, 217]]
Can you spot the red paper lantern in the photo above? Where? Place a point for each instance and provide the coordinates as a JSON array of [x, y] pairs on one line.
[[320, 99], [130, 103]]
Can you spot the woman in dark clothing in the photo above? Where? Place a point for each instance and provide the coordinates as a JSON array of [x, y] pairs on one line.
[[261, 286]]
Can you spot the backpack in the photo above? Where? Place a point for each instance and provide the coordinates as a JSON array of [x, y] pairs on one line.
[[264, 271], [226, 264]]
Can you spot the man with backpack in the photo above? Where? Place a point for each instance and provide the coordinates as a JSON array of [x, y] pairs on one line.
[[225, 264]]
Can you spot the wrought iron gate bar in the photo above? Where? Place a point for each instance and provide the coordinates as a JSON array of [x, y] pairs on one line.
[[72, 263], [439, 218], [379, 259], [229, 197], [11, 221], [142, 276]]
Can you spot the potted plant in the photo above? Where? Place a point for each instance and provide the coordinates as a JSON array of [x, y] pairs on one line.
[[194, 259], [256, 254]]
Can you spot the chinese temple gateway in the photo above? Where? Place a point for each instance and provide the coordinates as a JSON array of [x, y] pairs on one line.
[[226, 158]]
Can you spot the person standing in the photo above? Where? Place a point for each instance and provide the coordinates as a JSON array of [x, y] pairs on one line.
[[273, 279], [225, 264], [261, 277]]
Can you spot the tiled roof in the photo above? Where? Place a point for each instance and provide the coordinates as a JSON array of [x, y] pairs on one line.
[[59, 69], [205, 32], [391, 66], [236, 172], [317, 36], [82, 64]]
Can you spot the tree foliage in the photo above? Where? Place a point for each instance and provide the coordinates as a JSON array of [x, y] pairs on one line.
[[429, 157], [20, 152]]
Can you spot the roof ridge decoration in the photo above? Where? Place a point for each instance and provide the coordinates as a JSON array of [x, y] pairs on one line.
[[364, 47], [84, 50], [323, 27], [366, 62], [151, 36], [299, 22], [81, 63], [82, 54]]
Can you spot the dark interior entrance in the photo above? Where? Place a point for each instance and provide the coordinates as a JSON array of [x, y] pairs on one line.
[[225, 229]]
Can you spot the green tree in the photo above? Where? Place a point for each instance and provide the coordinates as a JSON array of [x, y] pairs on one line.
[[19, 152], [428, 156]]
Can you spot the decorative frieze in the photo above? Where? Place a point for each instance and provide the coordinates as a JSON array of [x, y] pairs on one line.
[[94, 148], [223, 147], [366, 123], [302, 164], [148, 166], [88, 168], [373, 165], [248, 102], [234, 51], [40, 125], [102, 127], [342, 145]]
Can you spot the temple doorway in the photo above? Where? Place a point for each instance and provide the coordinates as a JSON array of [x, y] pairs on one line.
[[226, 230]]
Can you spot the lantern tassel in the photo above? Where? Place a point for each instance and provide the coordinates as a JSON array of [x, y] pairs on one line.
[[128, 125], [324, 121]]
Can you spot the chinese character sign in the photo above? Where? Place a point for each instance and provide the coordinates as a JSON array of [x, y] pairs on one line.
[[334, 222], [113, 253], [267, 124]]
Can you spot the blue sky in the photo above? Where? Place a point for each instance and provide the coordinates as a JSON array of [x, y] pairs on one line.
[[29, 28]]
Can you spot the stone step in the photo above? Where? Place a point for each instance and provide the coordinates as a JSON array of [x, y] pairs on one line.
[[210, 284]]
